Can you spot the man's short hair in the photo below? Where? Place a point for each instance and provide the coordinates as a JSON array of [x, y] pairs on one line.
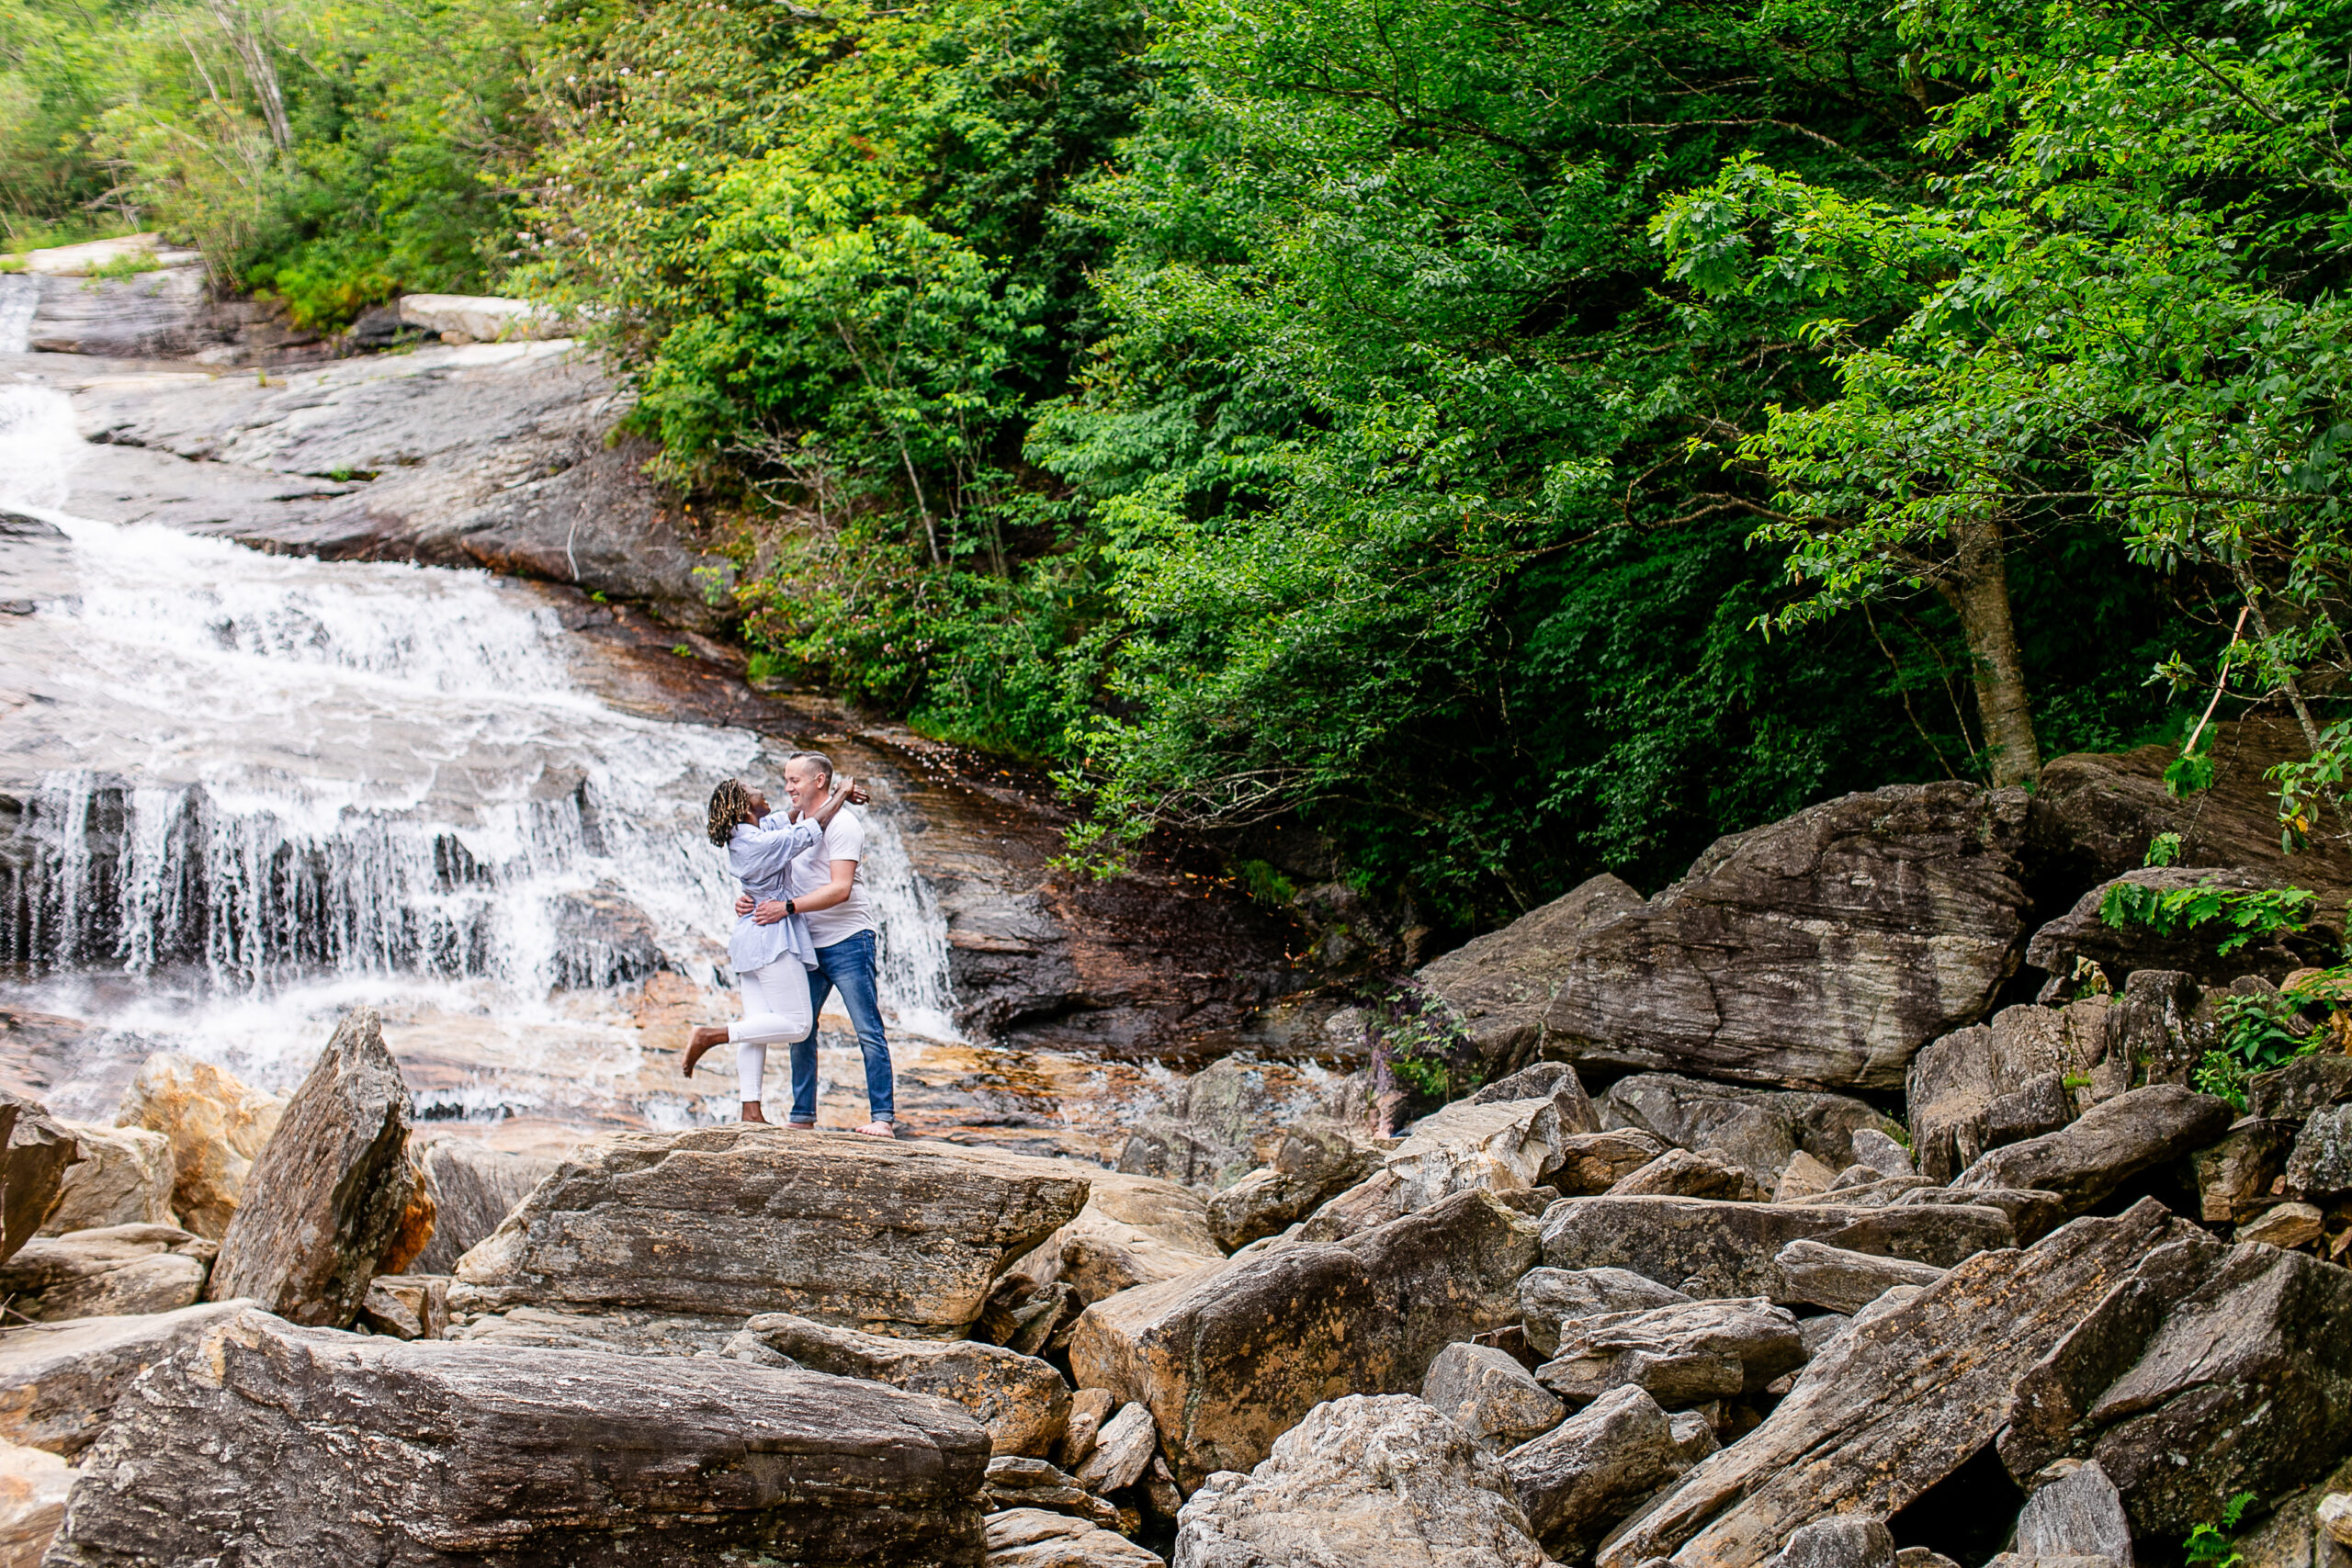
[[817, 760]]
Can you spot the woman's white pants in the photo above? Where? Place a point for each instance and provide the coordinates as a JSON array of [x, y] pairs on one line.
[[776, 1012]]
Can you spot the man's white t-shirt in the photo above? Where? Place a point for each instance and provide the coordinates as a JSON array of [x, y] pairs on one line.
[[845, 839]]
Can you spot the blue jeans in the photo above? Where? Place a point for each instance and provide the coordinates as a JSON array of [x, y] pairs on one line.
[[847, 967]]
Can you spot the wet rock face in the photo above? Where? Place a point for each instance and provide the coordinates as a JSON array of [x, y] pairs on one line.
[[1361, 1483], [1822, 950], [302, 1446], [327, 1193], [896, 1238]]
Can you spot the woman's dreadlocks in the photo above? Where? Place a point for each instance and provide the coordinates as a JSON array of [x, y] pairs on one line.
[[730, 803]]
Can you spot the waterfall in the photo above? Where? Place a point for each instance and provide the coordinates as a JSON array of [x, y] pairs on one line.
[[20, 302], [244, 780]]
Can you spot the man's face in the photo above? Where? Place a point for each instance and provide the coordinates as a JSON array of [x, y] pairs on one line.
[[805, 784]]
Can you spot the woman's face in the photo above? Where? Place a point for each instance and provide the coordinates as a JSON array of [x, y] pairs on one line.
[[759, 801]]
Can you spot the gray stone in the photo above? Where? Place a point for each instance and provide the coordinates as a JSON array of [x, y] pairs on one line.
[[1846, 1281], [616, 1333], [1707, 1248], [1228, 1359], [1547, 1297], [303, 1446], [2233, 1175], [2302, 1086], [1817, 1332], [327, 1193], [1759, 1129], [1089, 1408], [1825, 948], [1361, 1483], [2075, 1512], [2111, 1143], [1487, 1394], [474, 1189], [1207, 1138], [124, 1178], [1122, 1450], [1032, 1537], [478, 318], [1691, 1173], [1922, 1556], [2320, 1166], [1594, 1162], [1135, 1230], [113, 1271], [35, 1152], [1802, 1179], [1547, 1080], [1022, 1401], [1898, 1402], [1849, 1540], [1505, 1147], [1881, 1153], [1578, 1480], [33, 1488], [1315, 1159], [2285, 1226], [59, 1381], [2032, 1214], [407, 1307], [902, 1238], [1984, 1085], [1693, 1434], [1016, 1482], [1682, 1355]]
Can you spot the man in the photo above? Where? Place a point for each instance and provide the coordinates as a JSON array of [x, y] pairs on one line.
[[828, 892]]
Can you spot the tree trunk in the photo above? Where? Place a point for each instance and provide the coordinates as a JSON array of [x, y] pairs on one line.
[[261, 74], [1978, 591]]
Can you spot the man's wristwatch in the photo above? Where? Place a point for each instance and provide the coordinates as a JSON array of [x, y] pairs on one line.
[[788, 908]]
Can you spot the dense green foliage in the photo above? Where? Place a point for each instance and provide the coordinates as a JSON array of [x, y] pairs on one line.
[[1516, 438]]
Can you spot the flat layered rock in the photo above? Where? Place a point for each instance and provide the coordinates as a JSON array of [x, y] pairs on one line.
[[1135, 1230], [1688, 1353], [1229, 1359], [326, 1196], [1691, 1173], [1824, 949], [1549, 1297], [1974, 1088], [1361, 1483], [1022, 1401], [59, 1381], [2111, 1143], [1033, 1538], [1704, 1247], [124, 1178], [216, 1126], [900, 1238], [1897, 1401], [1487, 1394], [303, 1446], [103, 1273], [1846, 1281]]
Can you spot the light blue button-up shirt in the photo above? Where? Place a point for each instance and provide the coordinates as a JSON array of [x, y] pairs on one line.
[[761, 855]]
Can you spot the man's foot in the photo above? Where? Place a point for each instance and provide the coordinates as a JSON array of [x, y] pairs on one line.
[[880, 1130], [752, 1113], [708, 1035]]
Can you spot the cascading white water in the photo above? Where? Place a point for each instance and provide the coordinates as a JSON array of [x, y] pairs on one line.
[[20, 302], [261, 787]]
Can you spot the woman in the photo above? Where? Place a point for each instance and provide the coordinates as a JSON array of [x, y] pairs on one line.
[[769, 949]]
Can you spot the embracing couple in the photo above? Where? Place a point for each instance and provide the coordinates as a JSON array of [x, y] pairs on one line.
[[803, 930]]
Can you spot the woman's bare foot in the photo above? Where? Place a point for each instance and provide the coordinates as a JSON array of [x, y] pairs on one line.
[[880, 1130], [752, 1113], [709, 1034]]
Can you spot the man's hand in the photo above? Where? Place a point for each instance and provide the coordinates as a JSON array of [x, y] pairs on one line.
[[744, 904], [769, 913]]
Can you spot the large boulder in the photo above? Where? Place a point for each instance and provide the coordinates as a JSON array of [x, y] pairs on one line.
[[1979, 1088], [900, 1238], [2108, 1145], [1208, 1135], [1551, 1298], [1135, 1230], [478, 318], [1022, 1401], [1229, 1358], [1361, 1483], [1507, 1148], [1708, 1247], [124, 1178], [216, 1126], [1846, 1281], [2080, 934], [1823, 949], [327, 1194], [1580, 1478], [1487, 1394], [102, 1273], [35, 1154], [1758, 1129], [2075, 1512], [2320, 1164], [1897, 1401], [303, 1446], [59, 1381], [474, 1188], [1595, 1162], [2235, 1355], [1035, 1537], [1315, 1159]]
